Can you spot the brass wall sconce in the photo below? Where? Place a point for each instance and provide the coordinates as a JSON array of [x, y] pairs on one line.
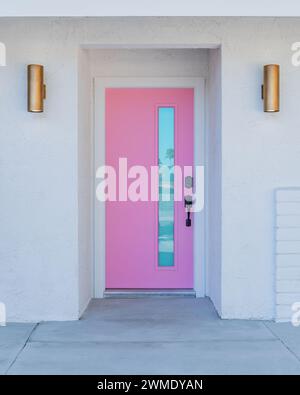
[[36, 88], [270, 88]]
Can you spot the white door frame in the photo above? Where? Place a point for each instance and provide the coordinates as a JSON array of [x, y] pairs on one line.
[[100, 84]]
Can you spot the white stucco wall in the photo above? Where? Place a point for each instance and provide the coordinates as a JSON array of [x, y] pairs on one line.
[[38, 210], [213, 175], [149, 62], [85, 181], [260, 151], [40, 237]]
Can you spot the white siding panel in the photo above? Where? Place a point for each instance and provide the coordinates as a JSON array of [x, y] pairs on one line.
[[288, 221], [287, 260], [284, 313], [285, 234], [288, 286], [288, 195], [287, 298], [287, 208], [288, 273], [288, 247]]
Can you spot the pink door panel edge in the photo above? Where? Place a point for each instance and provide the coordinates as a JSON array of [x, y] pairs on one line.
[[132, 227]]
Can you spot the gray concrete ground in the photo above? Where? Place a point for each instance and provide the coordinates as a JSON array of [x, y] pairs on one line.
[[150, 336]]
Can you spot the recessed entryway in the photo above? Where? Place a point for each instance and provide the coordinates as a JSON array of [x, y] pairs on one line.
[[186, 67]]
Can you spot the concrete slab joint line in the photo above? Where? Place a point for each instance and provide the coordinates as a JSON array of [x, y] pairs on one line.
[[22, 348], [283, 343]]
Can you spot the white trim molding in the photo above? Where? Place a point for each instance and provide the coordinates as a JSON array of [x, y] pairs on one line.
[[100, 84]]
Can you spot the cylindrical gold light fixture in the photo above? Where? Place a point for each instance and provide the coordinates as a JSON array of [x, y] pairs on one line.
[[270, 88], [36, 88]]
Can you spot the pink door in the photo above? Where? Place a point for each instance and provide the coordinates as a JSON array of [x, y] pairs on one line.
[[148, 242]]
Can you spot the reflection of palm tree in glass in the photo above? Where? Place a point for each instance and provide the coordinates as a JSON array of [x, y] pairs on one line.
[[170, 155]]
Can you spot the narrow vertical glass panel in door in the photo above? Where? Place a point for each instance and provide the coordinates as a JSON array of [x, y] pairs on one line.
[[166, 131]]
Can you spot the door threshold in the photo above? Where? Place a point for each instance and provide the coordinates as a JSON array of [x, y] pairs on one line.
[[148, 293]]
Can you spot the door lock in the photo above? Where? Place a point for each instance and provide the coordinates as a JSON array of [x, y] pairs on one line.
[[188, 203]]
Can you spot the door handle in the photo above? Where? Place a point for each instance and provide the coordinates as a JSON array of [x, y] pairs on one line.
[[188, 203]]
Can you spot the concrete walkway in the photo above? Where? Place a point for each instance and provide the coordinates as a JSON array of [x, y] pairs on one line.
[[150, 336]]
